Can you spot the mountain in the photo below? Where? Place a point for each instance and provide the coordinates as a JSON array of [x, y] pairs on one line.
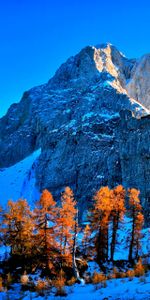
[[77, 121]]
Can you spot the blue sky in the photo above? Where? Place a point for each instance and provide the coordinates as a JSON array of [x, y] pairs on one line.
[[38, 35]]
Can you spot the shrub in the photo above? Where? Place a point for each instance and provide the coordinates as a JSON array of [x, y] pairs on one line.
[[116, 272], [72, 281], [139, 268], [130, 274], [122, 274], [41, 285], [98, 278], [59, 284], [112, 276]]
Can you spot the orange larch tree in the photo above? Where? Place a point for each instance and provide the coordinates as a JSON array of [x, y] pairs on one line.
[[45, 215], [67, 226], [117, 213], [135, 210], [18, 228], [100, 221]]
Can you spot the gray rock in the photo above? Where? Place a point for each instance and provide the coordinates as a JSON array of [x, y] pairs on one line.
[[75, 120], [134, 151]]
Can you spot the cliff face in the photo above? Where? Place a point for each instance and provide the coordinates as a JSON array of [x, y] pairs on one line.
[[138, 87], [134, 151], [75, 120]]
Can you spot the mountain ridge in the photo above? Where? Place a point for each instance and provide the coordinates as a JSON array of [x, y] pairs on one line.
[[75, 119]]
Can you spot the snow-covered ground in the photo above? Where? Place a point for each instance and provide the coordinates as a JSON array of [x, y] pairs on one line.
[[118, 289], [19, 180], [123, 239]]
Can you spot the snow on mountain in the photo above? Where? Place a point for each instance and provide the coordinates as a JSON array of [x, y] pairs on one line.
[[75, 119], [19, 180]]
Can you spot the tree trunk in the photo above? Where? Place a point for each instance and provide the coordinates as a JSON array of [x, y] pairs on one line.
[[46, 244], [114, 235], [132, 239], [75, 269], [99, 247]]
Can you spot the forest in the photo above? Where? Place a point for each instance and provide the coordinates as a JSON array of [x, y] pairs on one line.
[[45, 240]]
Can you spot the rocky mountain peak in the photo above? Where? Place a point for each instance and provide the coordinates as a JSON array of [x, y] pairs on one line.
[[93, 64], [75, 120]]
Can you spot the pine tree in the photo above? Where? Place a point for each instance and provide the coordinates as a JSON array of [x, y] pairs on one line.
[[45, 215], [137, 223], [118, 210]]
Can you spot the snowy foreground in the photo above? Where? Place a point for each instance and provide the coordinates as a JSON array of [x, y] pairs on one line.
[[123, 289], [19, 180]]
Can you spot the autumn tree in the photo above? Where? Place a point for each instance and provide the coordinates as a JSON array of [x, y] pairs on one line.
[[117, 213], [100, 221], [67, 227], [86, 239], [45, 215], [18, 228], [137, 223]]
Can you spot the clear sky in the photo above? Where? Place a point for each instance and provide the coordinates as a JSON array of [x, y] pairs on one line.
[[36, 36]]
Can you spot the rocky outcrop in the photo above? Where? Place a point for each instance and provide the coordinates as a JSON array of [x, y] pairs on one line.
[[138, 86], [75, 120], [134, 151]]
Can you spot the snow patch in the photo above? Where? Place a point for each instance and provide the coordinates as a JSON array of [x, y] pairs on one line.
[[19, 180]]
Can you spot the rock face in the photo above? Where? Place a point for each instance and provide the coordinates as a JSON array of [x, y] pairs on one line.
[[138, 87], [135, 156], [75, 120]]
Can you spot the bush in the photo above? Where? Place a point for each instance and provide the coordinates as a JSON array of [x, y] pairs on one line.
[[112, 276], [122, 274], [98, 278], [59, 284], [130, 274], [139, 269], [41, 285], [116, 273], [72, 281]]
